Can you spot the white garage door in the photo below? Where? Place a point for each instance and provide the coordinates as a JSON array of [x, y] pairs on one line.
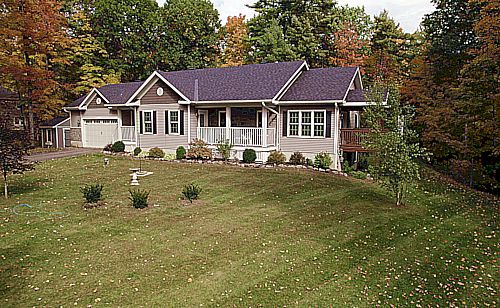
[[99, 133]]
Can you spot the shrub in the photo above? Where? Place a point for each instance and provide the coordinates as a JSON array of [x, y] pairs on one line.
[[309, 162], [139, 198], [225, 149], [118, 147], [107, 147], [92, 192], [156, 153], [180, 153], [346, 167], [297, 159], [198, 149], [322, 160], [169, 156], [249, 156], [358, 175], [137, 151], [191, 192], [276, 157]]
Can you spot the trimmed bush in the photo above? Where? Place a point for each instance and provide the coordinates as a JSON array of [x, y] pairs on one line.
[[92, 192], [224, 149], [276, 157], [198, 149], [107, 147], [322, 160], [137, 151], [118, 147], [309, 162], [297, 159], [139, 198], [156, 153], [180, 153], [191, 192], [249, 156], [169, 156], [358, 175]]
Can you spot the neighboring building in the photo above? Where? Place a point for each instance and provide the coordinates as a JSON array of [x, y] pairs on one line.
[[10, 110], [275, 106], [55, 133]]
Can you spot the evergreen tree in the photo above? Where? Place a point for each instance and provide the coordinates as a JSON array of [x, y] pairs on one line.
[[271, 46]]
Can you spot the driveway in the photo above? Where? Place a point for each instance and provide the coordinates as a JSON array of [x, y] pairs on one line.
[[68, 152]]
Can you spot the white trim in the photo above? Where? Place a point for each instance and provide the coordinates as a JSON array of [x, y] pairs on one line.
[[232, 102], [57, 137], [205, 113], [155, 74], [169, 128], [304, 63], [84, 104], [144, 122], [189, 124], [312, 124], [288, 87], [294, 103], [360, 104], [350, 83]]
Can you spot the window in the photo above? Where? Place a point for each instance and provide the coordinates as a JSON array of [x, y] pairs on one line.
[[48, 136], [307, 123], [222, 119], [148, 122], [173, 122], [203, 118], [18, 122]]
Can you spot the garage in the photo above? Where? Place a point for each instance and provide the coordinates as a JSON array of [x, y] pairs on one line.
[[99, 132]]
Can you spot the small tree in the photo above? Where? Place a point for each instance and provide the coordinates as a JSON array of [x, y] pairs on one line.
[[392, 143], [14, 146], [224, 148]]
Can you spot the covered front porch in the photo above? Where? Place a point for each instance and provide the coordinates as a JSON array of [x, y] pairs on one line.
[[253, 127]]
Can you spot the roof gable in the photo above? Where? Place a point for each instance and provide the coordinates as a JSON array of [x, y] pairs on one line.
[[54, 121], [238, 83], [321, 84]]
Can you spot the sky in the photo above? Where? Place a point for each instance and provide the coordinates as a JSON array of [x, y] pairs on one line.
[[408, 13]]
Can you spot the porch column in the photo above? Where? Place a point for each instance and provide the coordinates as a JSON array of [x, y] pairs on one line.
[[120, 123], [264, 127], [228, 123]]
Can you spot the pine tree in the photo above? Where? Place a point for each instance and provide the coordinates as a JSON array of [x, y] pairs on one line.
[[271, 46]]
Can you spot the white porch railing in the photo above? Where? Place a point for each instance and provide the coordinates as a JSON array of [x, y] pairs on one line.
[[238, 136], [128, 133]]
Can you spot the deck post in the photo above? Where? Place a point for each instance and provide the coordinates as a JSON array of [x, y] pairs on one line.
[[264, 127], [336, 135], [228, 124]]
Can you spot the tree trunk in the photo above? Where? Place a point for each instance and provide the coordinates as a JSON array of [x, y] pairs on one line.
[[31, 123], [5, 187]]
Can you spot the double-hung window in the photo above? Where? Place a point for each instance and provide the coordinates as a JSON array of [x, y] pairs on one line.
[[174, 122], [148, 122], [307, 123]]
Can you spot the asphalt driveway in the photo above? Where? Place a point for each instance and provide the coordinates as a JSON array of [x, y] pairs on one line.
[[68, 152]]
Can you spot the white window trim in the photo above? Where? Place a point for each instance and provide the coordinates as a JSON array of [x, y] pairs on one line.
[[219, 119], [312, 111], [205, 114], [144, 122], [178, 122], [48, 136]]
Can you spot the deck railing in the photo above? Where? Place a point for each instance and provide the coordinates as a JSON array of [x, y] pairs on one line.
[[128, 133], [352, 138], [238, 136]]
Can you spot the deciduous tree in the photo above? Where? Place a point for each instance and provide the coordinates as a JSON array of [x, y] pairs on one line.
[[235, 45]]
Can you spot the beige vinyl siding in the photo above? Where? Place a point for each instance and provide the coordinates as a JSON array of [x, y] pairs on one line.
[[194, 124], [103, 113], [169, 96], [307, 146], [161, 140], [75, 119]]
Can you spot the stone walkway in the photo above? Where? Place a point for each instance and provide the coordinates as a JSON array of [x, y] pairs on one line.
[[68, 152]]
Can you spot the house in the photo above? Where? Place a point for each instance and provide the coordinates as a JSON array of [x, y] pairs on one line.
[[55, 133], [275, 106], [10, 110]]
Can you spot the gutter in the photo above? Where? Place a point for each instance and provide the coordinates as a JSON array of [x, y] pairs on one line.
[[270, 109]]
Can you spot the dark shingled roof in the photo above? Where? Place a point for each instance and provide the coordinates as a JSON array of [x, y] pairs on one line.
[[321, 84], [119, 93], [248, 82], [357, 96], [54, 121], [7, 95], [114, 93]]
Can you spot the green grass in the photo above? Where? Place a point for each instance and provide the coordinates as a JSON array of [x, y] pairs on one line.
[[258, 238]]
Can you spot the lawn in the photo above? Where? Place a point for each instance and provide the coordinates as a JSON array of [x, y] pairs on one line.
[[259, 237]]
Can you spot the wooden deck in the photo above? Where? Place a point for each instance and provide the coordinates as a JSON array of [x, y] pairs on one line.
[[351, 139]]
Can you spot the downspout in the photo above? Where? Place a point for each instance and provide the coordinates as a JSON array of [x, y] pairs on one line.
[[277, 123], [336, 161]]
